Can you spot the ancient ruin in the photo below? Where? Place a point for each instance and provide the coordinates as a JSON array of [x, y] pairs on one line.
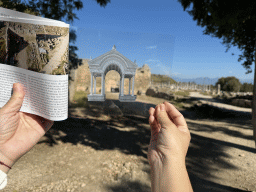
[[112, 60], [81, 80]]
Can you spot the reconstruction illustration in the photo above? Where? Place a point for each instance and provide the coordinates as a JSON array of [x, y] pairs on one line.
[[112, 60]]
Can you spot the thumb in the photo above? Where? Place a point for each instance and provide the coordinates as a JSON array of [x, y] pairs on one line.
[[15, 102], [163, 118]]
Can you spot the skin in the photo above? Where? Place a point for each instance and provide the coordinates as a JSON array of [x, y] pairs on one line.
[[168, 147], [19, 131]]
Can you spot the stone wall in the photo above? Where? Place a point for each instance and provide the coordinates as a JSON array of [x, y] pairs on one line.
[[82, 80]]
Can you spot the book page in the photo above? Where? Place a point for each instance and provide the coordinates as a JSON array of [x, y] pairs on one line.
[[10, 15], [45, 95], [35, 55]]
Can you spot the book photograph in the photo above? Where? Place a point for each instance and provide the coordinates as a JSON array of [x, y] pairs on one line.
[[34, 51], [38, 48]]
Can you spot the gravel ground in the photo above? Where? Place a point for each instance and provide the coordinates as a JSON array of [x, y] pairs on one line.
[[92, 151]]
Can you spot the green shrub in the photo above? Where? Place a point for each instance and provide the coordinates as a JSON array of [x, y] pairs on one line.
[[80, 98]]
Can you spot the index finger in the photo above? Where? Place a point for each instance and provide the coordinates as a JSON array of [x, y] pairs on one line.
[[175, 115], [151, 111]]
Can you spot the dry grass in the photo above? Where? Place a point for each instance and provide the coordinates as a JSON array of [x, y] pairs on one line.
[[59, 69], [205, 93], [154, 100], [182, 93], [80, 99]]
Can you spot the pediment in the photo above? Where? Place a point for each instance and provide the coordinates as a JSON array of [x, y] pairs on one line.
[[98, 62]]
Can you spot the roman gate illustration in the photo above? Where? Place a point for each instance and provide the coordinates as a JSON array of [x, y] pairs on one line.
[[112, 60]]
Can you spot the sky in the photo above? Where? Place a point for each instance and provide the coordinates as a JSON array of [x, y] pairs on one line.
[[157, 33]]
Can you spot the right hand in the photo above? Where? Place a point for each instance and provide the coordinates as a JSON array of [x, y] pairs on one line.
[[170, 136]]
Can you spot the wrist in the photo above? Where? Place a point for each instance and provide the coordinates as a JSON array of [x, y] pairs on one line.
[[175, 176], [4, 169], [177, 160], [5, 161]]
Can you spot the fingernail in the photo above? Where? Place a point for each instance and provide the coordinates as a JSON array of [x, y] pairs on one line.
[[15, 86], [162, 107], [158, 108]]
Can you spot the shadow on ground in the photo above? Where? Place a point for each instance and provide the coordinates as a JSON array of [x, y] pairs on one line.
[[107, 134], [199, 185]]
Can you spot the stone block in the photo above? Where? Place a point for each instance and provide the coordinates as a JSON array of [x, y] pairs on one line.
[[241, 103], [235, 102], [163, 95], [248, 103], [151, 92]]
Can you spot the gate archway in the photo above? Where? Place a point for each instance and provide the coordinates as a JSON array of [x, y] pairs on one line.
[[112, 60]]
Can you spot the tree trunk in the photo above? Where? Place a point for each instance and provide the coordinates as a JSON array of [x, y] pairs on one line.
[[254, 102]]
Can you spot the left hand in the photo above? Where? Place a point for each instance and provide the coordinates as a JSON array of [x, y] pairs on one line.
[[170, 136], [19, 131]]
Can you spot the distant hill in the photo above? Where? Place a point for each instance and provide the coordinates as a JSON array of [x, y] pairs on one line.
[[207, 80], [199, 80]]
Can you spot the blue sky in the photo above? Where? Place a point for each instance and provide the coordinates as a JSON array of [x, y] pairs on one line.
[[157, 33]]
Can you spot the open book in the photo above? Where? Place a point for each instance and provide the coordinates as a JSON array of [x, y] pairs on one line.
[[34, 52]]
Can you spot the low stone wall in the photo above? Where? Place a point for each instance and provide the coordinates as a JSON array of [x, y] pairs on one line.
[[241, 103], [154, 93]]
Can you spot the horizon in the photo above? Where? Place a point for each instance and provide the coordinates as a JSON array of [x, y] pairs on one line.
[[195, 78]]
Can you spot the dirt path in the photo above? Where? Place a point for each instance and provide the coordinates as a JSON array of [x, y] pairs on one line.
[[22, 57], [199, 96], [205, 99], [91, 151], [56, 59]]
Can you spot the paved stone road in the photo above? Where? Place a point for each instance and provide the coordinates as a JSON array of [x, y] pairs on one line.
[[210, 101]]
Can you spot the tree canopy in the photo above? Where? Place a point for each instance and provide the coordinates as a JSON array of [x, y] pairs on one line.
[[62, 10], [246, 87], [229, 84], [235, 22]]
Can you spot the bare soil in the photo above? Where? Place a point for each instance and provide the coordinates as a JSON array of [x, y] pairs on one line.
[[102, 150]]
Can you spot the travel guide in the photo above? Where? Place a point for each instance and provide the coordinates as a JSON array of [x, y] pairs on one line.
[[34, 51]]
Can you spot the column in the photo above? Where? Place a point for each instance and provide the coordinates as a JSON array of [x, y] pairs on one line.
[[122, 86], [91, 83], [133, 86], [102, 84], [218, 89], [129, 85], [94, 84]]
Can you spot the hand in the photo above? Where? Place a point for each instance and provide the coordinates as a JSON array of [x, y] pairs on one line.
[[170, 136], [19, 131], [168, 147]]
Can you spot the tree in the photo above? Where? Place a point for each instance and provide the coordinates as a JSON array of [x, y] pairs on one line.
[[246, 87], [231, 84], [234, 22]]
